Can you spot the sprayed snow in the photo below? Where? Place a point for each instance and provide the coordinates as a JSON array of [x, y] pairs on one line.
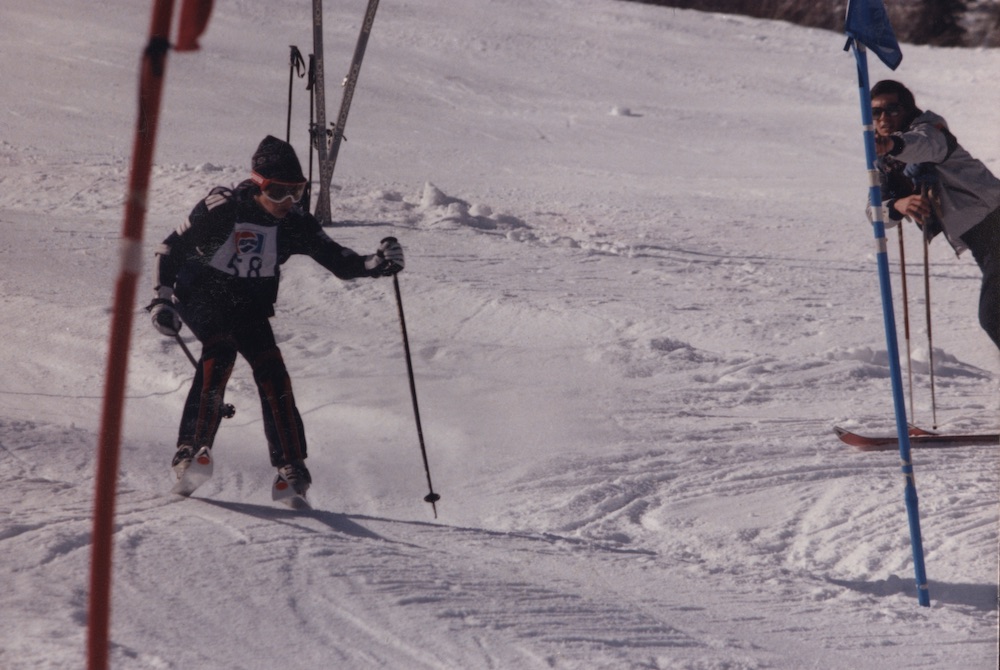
[[639, 290]]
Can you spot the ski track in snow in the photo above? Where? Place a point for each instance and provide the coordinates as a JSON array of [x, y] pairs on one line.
[[630, 352]]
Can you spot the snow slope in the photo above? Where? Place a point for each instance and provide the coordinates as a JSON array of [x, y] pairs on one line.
[[640, 290]]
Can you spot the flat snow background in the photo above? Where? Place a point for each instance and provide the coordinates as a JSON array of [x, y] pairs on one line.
[[640, 290]]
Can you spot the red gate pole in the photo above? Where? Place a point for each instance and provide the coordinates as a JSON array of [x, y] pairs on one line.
[[154, 61]]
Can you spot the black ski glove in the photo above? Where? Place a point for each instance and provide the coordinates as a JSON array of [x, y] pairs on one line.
[[165, 317], [388, 260]]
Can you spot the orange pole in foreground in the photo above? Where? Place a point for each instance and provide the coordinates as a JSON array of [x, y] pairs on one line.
[[154, 62]]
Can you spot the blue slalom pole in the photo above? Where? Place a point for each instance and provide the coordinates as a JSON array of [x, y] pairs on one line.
[[882, 256]]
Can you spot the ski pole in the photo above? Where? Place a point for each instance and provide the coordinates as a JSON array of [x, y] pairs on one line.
[[184, 348], [228, 411], [295, 67], [906, 314], [431, 497], [927, 305]]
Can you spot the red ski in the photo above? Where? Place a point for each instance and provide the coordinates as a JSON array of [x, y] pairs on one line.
[[918, 438]]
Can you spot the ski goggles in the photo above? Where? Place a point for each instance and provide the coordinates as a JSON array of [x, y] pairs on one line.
[[891, 110], [279, 191]]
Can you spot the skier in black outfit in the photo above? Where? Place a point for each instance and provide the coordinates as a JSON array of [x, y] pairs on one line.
[[218, 273]]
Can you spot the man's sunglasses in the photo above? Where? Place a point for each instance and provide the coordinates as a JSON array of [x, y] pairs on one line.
[[891, 110], [279, 191]]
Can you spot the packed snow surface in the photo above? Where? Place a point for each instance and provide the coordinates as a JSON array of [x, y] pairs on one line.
[[640, 291]]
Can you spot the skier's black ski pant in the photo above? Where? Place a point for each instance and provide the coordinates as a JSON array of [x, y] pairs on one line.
[[984, 243], [223, 336]]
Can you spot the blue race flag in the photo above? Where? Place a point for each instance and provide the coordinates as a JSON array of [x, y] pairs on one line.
[[868, 23]]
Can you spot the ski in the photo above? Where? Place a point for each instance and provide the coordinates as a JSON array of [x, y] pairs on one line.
[[918, 438], [328, 146], [196, 474], [318, 131], [283, 492]]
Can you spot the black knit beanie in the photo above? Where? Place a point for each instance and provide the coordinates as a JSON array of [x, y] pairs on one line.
[[276, 159]]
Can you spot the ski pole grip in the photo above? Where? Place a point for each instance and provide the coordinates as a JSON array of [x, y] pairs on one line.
[[389, 240]]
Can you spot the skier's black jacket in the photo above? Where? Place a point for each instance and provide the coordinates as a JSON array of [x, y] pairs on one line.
[[230, 251]]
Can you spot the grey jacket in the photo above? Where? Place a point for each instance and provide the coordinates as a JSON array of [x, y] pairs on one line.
[[966, 192]]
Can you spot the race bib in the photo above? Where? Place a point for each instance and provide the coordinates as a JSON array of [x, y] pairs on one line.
[[250, 252]]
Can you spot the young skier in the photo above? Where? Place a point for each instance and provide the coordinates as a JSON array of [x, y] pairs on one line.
[[927, 176], [218, 273]]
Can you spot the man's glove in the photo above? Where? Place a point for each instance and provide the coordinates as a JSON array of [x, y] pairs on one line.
[[165, 317], [388, 260]]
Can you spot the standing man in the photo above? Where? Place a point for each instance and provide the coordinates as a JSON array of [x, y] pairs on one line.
[[218, 273], [928, 177]]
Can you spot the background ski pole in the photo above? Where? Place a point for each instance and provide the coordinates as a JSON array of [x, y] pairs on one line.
[[228, 411], [906, 313], [431, 497], [295, 66], [927, 305]]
